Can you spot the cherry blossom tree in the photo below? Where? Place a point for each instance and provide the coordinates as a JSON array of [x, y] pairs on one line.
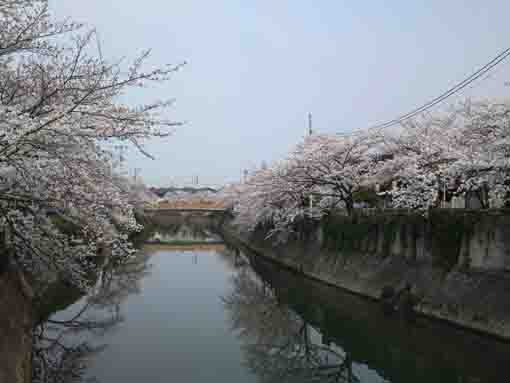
[[462, 150], [323, 173], [483, 151], [60, 104], [421, 153], [266, 197], [334, 167]]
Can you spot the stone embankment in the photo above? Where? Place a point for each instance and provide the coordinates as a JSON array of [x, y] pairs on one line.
[[454, 263]]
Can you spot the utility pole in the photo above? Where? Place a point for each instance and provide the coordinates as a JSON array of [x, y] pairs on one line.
[[121, 150], [137, 171], [310, 131], [444, 192]]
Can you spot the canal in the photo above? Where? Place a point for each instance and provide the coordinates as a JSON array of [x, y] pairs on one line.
[[207, 311]]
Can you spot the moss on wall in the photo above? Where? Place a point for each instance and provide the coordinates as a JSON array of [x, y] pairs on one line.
[[440, 233], [362, 233], [447, 229], [429, 250], [346, 234]]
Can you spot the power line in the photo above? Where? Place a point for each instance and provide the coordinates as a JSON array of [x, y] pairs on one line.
[[456, 88]]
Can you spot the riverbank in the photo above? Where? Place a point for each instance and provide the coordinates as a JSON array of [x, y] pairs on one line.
[[456, 262], [425, 351], [16, 317]]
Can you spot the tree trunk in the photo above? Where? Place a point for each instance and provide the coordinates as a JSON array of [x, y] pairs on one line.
[[349, 205], [16, 318]]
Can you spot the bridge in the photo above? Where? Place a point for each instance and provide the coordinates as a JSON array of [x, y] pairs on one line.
[[166, 216], [184, 211], [172, 219], [188, 209]]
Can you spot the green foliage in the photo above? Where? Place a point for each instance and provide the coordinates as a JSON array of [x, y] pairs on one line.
[[443, 230], [57, 297], [447, 230], [346, 234], [65, 226], [440, 232], [366, 195], [389, 231], [149, 227]]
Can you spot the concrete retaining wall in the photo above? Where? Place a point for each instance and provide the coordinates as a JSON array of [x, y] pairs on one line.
[[456, 262]]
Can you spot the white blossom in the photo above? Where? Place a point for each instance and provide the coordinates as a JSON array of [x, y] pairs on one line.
[[60, 199]]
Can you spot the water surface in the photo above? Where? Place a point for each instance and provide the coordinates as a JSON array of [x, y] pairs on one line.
[[208, 312]]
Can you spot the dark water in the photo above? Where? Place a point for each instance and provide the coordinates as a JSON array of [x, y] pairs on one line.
[[208, 312]]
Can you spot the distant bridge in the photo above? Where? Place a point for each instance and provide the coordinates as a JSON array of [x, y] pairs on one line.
[[185, 210]]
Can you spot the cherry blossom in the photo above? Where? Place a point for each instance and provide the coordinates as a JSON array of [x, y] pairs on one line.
[[61, 200]]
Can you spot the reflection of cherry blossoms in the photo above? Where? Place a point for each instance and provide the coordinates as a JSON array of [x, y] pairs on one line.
[[62, 346], [278, 345]]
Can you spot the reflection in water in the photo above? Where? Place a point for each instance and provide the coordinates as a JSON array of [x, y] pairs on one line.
[[374, 347], [61, 344], [213, 306], [57, 356], [184, 231], [278, 345], [233, 257], [185, 248]]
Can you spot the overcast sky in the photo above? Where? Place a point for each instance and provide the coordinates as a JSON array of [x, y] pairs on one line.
[[256, 68]]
